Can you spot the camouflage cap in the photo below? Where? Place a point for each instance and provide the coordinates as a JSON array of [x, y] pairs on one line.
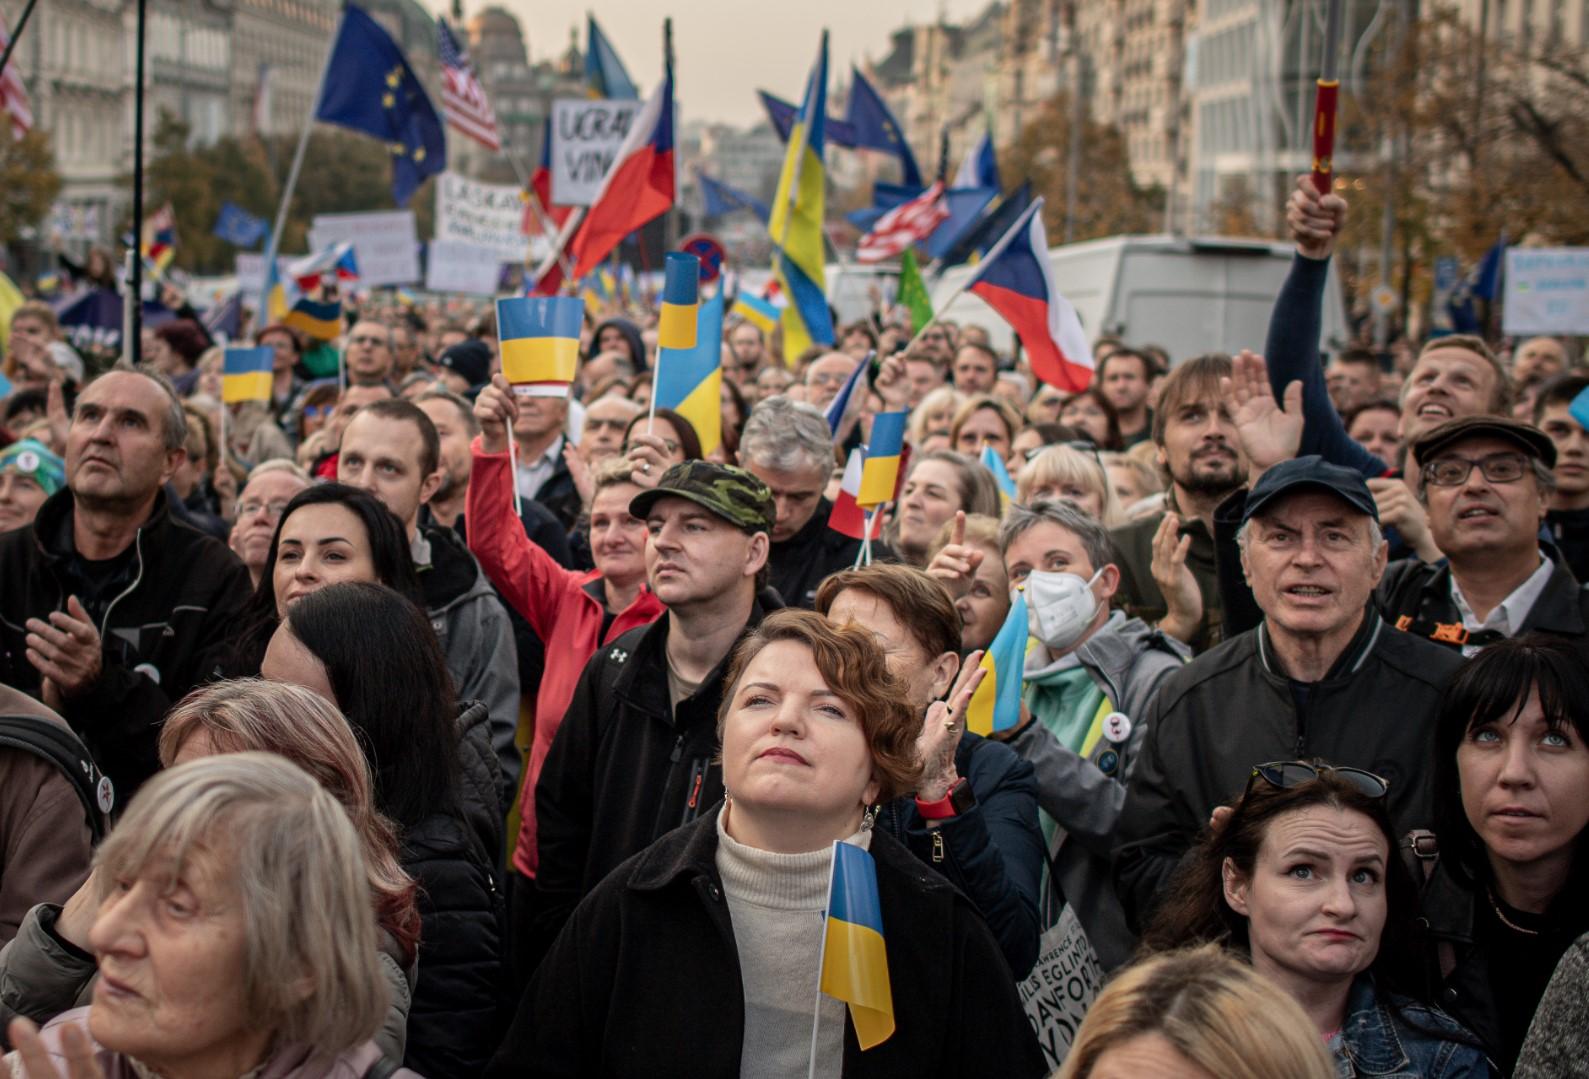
[[732, 493]]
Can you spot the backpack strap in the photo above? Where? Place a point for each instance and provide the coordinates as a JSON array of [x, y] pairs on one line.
[[62, 748], [1420, 851], [381, 1069]]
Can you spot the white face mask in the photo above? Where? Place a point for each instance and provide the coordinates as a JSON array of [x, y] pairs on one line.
[[1060, 607]]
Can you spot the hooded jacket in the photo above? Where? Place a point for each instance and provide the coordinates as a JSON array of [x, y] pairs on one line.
[[631, 333], [560, 605], [1083, 793], [625, 767], [1234, 707], [645, 979], [166, 612], [475, 635]]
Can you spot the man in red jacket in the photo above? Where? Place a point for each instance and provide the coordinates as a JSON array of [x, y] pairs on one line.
[[574, 613]]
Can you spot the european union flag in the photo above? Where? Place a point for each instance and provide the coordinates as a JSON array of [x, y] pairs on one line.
[[874, 128], [238, 227], [782, 115], [721, 198], [370, 88]]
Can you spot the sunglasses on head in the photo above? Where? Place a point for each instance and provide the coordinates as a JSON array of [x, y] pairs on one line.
[[1288, 774], [1079, 445]]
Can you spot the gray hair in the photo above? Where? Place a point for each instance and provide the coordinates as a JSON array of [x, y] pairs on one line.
[[787, 435], [175, 420], [296, 862], [1093, 535]]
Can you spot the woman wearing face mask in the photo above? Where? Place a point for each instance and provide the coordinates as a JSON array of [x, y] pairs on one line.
[[1304, 879], [1090, 681]]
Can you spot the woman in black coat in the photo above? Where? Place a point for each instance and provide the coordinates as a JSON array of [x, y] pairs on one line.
[[701, 955]]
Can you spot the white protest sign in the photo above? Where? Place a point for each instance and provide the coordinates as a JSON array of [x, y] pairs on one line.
[[384, 244], [1547, 290], [451, 266], [586, 135], [484, 215]]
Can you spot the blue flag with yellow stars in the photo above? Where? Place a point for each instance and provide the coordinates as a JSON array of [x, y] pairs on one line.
[[370, 88]]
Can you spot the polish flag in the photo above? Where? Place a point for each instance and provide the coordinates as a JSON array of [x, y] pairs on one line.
[[847, 518]]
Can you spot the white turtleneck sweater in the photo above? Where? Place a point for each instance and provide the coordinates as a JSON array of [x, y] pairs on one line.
[[776, 903]]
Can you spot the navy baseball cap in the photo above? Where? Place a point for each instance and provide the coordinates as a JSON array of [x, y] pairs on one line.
[[1310, 472]]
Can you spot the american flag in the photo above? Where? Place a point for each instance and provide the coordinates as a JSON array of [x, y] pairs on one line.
[[462, 98], [904, 226], [14, 96]]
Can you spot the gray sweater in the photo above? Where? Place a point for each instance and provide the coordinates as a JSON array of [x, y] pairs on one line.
[[1557, 1046]]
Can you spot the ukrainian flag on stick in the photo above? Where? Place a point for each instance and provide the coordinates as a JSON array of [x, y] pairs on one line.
[[796, 222], [880, 470], [996, 705], [760, 313], [246, 374], [681, 294], [854, 960], [690, 381], [1001, 475], [540, 342]]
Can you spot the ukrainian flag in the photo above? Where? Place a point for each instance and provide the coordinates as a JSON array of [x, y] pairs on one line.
[[996, 705], [854, 959], [539, 337], [796, 222], [681, 294], [880, 472], [690, 381], [246, 374], [318, 319], [1001, 475], [760, 313]]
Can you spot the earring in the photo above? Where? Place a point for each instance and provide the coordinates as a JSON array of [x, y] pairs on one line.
[[868, 818]]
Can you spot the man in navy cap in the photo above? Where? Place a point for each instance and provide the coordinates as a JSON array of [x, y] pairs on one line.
[[1322, 676]]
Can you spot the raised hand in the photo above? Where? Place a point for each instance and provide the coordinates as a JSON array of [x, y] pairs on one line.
[[892, 385], [1315, 220], [956, 565], [36, 1062], [496, 410], [1398, 509], [1182, 598], [579, 472], [65, 649], [941, 731], [1269, 432]]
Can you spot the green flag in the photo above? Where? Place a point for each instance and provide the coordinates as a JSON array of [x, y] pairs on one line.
[[913, 292]]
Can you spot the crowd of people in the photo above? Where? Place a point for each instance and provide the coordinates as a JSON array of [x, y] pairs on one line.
[[405, 724]]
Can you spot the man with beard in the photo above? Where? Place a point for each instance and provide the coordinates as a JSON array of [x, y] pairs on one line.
[[1198, 445]]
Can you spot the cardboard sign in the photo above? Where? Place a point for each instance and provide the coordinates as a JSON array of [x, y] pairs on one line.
[[586, 136], [481, 215], [1547, 290], [384, 243], [451, 266]]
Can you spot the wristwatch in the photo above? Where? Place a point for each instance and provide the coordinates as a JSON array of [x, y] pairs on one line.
[[958, 800]]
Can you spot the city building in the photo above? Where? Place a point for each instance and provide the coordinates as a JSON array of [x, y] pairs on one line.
[[282, 46]]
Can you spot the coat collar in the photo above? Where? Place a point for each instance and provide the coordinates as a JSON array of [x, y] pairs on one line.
[[1369, 1035]]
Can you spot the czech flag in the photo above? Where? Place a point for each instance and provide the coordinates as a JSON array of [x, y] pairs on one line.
[[690, 380], [540, 342], [637, 188], [846, 401], [1016, 280], [854, 958], [760, 313], [246, 374], [996, 705], [848, 518], [1001, 475], [880, 473]]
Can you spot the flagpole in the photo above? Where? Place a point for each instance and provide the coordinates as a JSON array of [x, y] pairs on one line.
[[134, 342], [16, 35], [822, 957], [273, 245], [994, 252]]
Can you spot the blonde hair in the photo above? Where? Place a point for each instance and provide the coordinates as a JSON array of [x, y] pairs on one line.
[[916, 429], [1143, 469], [310, 972], [1064, 464], [978, 403], [250, 714], [612, 472], [1213, 1009]]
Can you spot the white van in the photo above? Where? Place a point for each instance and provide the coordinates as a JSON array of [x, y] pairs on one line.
[[1189, 295]]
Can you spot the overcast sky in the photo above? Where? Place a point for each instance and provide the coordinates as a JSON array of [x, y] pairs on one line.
[[726, 49]]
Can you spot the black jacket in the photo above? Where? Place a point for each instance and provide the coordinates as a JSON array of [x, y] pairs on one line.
[[645, 978], [797, 565], [1140, 594], [993, 852], [625, 767], [167, 611], [1417, 596], [560, 497], [1233, 708], [457, 1012]]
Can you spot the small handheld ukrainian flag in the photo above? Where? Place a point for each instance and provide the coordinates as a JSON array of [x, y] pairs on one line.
[[681, 294], [996, 704], [540, 342], [854, 959], [1001, 475], [880, 471], [246, 374], [690, 381], [760, 313]]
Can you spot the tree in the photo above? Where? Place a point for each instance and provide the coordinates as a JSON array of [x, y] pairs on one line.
[[28, 182], [1108, 201]]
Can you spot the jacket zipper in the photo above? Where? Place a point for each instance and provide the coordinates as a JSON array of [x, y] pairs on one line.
[[692, 800], [137, 543], [937, 847]]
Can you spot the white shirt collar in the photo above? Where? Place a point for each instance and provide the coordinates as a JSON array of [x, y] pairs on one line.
[[1509, 615]]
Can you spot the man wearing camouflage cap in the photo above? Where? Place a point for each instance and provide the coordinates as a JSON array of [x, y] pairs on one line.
[[636, 754]]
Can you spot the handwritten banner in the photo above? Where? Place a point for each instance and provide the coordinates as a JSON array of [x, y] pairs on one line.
[[586, 136], [481, 215], [1547, 290]]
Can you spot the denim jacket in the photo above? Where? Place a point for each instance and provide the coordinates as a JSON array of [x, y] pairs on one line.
[[1410, 1041]]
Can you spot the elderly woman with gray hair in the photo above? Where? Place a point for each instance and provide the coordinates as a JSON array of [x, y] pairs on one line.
[[233, 937]]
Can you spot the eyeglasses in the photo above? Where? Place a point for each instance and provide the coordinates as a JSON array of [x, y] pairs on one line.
[[315, 412], [1288, 774], [273, 509], [1497, 468]]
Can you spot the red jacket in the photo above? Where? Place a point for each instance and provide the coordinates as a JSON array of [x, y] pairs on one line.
[[564, 607]]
